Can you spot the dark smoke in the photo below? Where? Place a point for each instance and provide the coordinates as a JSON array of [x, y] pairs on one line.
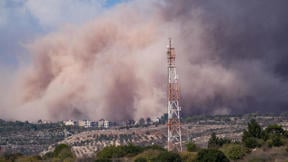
[[246, 38]]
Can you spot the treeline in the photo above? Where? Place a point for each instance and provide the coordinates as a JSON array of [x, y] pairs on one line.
[[253, 138], [219, 149], [18, 126], [62, 153]]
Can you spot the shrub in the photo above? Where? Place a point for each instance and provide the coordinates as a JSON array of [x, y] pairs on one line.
[[275, 129], [168, 156], [119, 151], [109, 152], [211, 155], [234, 151], [65, 154], [191, 147], [254, 130], [188, 156], [149, 155], [252, 142], [216, 142], [59, 148], [275, 140]]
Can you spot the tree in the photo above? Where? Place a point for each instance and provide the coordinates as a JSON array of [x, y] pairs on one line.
[[63, 152], [148, 121], [118, 151], [234, 151], [275, 141], [251, 136], [215, 142], [191, 147], [254, 129], [252, 142], [275, 129], [211, 155], [141, 121]]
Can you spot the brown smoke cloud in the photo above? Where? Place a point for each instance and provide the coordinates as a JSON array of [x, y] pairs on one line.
[[104, 69], [114, 67]]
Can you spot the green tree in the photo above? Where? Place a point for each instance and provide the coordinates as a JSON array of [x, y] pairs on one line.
[[59, 148], [234, 151], [191, 147], [213, 141], [216, 142], [119, 151], [275, 129], [254, 129], [63, 152], [275, 140], [251, 137], [211, 155], [252, 142]]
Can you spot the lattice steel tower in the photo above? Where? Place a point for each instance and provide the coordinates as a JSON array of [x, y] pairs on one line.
[[174, 125]]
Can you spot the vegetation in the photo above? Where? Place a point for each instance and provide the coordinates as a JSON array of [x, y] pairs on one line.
[[234, 151], [168, 156], [188, 156], [151, 153], [216, 142], [211, 155], [255, 136], [119, 151], [62, 152], [257, 144], [191, 147]]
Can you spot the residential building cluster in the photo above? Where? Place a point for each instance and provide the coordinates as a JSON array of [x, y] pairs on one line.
[[104, 124]]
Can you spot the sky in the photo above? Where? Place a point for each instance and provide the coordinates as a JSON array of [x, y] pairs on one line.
[[92, 59], [21, 21]]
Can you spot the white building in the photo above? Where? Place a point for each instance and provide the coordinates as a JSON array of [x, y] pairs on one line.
[[69, 123], [106, 124], [84, 123], [103, 123]]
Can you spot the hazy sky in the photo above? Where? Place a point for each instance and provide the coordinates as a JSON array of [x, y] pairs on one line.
[[21, 21], [91, 59]]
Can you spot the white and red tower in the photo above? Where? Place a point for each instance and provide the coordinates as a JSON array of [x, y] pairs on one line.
[[174, 125]]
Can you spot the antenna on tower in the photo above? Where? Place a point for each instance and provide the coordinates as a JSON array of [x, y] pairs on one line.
[[174, 125]]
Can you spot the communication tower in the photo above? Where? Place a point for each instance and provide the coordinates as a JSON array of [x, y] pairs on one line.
[[174, 125]]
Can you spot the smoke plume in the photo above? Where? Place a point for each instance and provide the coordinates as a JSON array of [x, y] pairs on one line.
[[231, 58]]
